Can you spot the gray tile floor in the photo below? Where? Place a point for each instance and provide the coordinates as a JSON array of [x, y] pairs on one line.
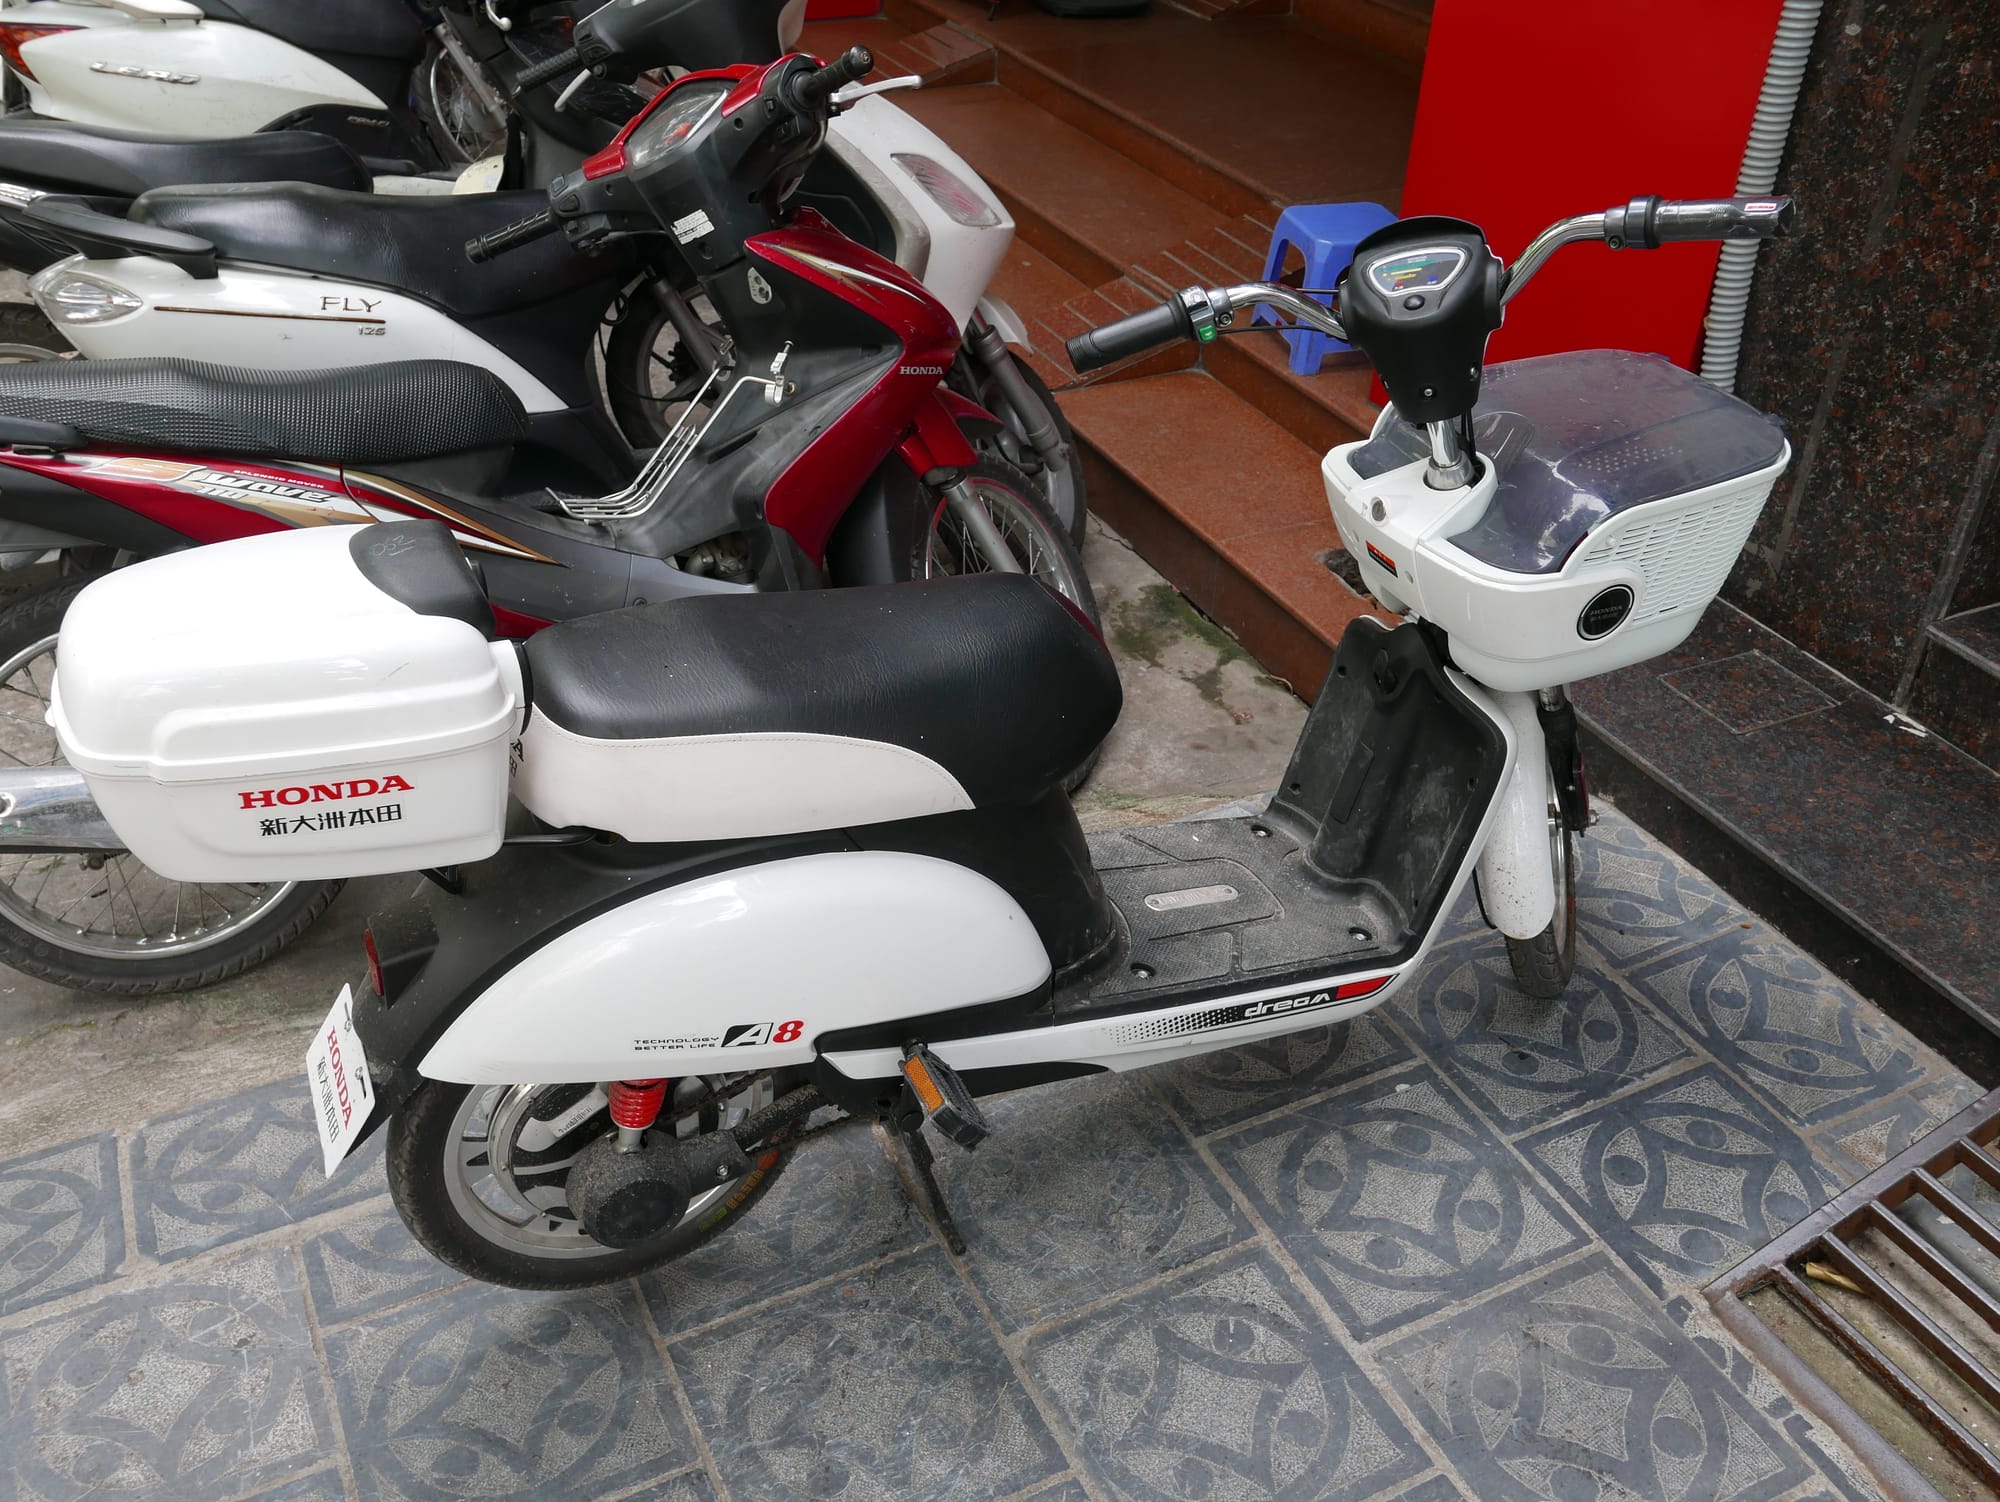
[[1452, 1250]]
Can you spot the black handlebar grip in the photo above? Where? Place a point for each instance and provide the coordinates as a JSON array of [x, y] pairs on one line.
[[1131, 336], [1649, 222], [811, 92], [510, 236], [565, 62]]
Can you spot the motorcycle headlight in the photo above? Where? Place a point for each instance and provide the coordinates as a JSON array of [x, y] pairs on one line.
[[947, 190], [72, 297]]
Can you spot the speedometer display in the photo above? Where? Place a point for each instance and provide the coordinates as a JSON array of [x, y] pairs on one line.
[[669, 126]]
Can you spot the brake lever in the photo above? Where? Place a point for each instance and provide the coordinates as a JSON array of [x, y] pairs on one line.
[[500, 22], [847, 93]]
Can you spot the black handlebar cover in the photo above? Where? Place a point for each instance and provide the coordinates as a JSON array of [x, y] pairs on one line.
[[1130, 336], [811, 93], [565, 62], [511, 236], [1648, 222]]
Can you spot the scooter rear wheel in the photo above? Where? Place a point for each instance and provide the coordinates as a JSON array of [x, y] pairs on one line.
[[479, 1175], [108, 923], [1543, 965]]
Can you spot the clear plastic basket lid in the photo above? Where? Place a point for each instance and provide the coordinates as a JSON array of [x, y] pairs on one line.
[[1577, 438]]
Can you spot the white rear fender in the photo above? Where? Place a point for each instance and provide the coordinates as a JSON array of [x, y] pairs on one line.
[[951, 229], [743, 970], [126, 68], [271, 319]]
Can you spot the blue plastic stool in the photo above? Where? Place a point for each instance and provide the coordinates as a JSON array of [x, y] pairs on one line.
[[1325, 234]]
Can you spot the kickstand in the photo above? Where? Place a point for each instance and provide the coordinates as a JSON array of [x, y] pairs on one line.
[[910, 1127]]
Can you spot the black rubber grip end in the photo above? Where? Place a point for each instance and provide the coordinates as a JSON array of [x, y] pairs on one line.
[[1096, 348]]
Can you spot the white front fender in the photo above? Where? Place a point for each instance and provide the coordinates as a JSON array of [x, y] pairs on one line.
[[1517, 882]]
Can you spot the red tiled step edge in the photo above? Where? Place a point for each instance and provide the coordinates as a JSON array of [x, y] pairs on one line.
[[1225, 503], [940, 55]]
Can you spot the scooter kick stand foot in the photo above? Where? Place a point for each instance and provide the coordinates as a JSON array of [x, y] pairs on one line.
[[912, 1133]]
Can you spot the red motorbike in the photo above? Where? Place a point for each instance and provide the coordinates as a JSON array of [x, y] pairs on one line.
[[821, 449]]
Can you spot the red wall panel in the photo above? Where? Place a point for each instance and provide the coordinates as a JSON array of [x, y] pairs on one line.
[[1533, 110]]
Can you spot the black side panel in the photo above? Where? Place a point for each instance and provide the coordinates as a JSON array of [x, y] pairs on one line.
[[422, 565], [386, 140], [515, 903], [371, 28], [1393, 772], [878, 539], [837, 193], [42, 502]]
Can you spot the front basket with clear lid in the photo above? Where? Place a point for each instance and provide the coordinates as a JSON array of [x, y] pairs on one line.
[[1576, 438]]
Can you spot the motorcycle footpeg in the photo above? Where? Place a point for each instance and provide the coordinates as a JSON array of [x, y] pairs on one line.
[[947, 1104]]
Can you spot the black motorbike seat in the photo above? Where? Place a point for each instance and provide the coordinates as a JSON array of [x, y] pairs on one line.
[[374, 414], [994, 678], [363, 28], [410, 244], [60, 156]]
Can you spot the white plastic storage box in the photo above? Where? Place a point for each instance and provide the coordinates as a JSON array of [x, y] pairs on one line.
[[260, 711], [1616, 493]]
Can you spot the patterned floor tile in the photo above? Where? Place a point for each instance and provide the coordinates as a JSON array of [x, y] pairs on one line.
[[1636, 899], [61, 1227], [1683, 1179], [1437, 1489], [1083, 1189], [236, 1167], [1394, 1200], [1527, 1061], [837, 1205], [1222, 1384], [1772, 1014], [689, 1486], [1572, 1386], [1864, 1142], [369, 1265], [321, 1486], [1217, 1090], [885, 1385], [204, 1388], [487, 1392]]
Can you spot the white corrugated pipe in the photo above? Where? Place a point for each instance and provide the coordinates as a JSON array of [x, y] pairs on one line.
[[1723, 344]]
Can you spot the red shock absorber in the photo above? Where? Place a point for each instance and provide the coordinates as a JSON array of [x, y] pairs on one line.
[[636, 1103]]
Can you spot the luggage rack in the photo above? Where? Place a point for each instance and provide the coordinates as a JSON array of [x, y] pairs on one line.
[[1909, 1207], [657, 474]]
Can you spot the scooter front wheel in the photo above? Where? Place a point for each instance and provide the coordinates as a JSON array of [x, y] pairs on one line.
[[1543, 965], [105, 922], [479, 1174]]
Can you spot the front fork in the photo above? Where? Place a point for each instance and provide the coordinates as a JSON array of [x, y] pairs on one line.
[[1517, 879], [1038, 424]]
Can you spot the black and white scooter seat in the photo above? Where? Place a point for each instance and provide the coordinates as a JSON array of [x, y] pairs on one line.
[[728, 717]]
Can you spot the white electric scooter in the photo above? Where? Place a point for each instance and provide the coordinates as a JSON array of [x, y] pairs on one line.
[[801, 850]]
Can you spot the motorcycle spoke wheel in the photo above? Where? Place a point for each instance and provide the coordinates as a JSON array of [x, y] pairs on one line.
[[1033, 540], [104, 920]]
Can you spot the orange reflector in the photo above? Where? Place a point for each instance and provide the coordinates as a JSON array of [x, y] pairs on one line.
[[921, 1081]]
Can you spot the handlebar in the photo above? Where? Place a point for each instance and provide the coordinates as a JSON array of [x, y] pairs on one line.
[[1646, 223], [565, 62], [511, 236], [812, 91]]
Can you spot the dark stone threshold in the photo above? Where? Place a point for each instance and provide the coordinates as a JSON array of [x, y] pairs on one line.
[[1873, 847]]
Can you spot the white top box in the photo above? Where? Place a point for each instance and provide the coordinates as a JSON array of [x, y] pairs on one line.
[[263, 710]]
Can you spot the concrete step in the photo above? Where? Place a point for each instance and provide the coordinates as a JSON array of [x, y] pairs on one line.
[[1227, 505]]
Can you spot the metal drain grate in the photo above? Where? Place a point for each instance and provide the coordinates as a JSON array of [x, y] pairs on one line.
[[1865, 1243]]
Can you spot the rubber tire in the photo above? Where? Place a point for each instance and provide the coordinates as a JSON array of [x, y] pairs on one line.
[[420, 1133], [628, 368], [30, 619], [25, 326], [1079, 524], [1543, 965]]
